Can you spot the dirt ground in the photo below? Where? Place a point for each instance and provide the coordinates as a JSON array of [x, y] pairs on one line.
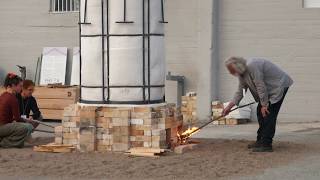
[[213, 159]]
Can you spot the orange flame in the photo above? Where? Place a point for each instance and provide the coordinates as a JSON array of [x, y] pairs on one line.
[[183, 137]]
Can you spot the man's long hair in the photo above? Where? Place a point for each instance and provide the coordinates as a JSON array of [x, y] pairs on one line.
[[239, 63]]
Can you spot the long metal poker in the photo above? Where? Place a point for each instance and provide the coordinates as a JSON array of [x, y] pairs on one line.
[[239, 107]]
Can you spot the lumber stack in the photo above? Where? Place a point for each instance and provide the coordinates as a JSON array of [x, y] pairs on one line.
[[189, 109], [52, 100], [118, 128]]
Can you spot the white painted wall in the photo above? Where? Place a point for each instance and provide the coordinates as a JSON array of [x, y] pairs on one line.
[[284, 32], [26, 27], [188, 49]]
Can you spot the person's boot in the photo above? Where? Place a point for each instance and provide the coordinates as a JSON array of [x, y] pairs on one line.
[[255, 144], [263, 148]]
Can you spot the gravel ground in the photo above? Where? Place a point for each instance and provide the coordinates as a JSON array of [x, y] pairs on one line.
[[212, 159]]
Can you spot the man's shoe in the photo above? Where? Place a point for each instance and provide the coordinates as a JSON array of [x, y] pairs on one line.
[[263, 148], [254, 145]]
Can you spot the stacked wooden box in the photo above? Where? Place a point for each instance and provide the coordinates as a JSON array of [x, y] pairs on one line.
[[189, 110], [52, 101], [118, 128]]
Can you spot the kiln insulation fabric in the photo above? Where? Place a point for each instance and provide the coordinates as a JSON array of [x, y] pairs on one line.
[[125, 55]]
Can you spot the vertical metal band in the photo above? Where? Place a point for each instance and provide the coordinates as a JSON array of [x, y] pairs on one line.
[[149, 56], [108, 52], [124, 10], [80, 53], [162, 11], [103, 49], [143, 52], [85, 11]]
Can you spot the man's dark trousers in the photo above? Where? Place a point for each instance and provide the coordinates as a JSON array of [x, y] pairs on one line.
[[267, 125]]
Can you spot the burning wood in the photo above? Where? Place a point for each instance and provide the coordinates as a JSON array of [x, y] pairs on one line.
[[184, 136]]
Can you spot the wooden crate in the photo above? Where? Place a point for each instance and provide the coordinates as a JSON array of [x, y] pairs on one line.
[[52, 101]]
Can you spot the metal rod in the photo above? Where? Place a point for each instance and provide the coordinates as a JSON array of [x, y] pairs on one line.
[[44, 131], [124, 10], [143, 52], [122, 102], [42, 123], [85, 11], [162, 10], [103, 50], [149, 56], [239, 107], [121, 35], [80, 54], [108, 52], [153, 86]]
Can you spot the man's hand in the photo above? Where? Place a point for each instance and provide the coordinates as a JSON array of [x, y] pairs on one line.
[[264, 111], [34, 124], [227, 109]]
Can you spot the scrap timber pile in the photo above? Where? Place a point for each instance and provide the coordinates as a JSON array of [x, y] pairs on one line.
[[217, 108], [118, 128]]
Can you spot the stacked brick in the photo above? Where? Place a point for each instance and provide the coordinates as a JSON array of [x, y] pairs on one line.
[[189, 109], [118, 128]]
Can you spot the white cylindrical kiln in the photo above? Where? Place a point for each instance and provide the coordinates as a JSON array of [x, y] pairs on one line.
[[122, 51]]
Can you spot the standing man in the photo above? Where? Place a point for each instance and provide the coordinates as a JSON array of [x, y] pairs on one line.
[[268, 84]]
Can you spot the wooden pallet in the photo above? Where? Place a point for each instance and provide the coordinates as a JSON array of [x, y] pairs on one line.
[[146, 152], [54, 148]]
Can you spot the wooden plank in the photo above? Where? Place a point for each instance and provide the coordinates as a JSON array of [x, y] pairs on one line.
[[52, 114], [54, 148], [141, 154], [54, 104], [146, 150], [56, 93]]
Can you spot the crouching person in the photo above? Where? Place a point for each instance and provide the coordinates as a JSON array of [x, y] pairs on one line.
[[13, 129], [28, 103]]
